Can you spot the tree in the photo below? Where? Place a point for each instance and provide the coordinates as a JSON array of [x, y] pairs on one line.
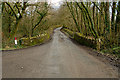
[[113, 16], [117, 26], [18, 15], [42, 14], [107, 17]]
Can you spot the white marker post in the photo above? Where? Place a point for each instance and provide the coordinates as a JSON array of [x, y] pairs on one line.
[[15, 42]]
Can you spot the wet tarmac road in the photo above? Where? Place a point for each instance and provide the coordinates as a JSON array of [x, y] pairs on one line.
[[59, 58]]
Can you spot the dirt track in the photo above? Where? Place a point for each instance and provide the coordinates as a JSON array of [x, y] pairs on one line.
[[59, 58]]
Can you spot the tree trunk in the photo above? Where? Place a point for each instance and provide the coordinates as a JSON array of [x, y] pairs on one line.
[[107, 17], [73, 15], [91, 21], [117, 27], [113, 16], [15, 28]]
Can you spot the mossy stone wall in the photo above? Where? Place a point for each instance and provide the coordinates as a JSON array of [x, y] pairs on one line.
[[83, 40]]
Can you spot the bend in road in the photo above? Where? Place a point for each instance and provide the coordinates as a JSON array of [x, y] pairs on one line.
[[60, 58]]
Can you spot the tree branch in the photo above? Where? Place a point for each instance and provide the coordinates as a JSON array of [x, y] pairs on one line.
[[42, 16], [12, 10], [18, 9], [97, 7]]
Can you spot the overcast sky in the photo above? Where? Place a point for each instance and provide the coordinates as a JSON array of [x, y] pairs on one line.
[[55, 3]]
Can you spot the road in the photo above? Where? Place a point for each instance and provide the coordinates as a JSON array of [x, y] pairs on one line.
[[59, 58]]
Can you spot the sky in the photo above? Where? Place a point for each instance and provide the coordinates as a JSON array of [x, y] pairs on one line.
[[55, 3]]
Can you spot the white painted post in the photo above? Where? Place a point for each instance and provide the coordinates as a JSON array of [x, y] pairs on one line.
[[15, 41]]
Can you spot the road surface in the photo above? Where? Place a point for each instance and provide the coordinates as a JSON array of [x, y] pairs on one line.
[[59, 58]]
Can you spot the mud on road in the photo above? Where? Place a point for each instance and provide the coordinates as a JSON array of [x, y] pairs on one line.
[[60, 58]]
